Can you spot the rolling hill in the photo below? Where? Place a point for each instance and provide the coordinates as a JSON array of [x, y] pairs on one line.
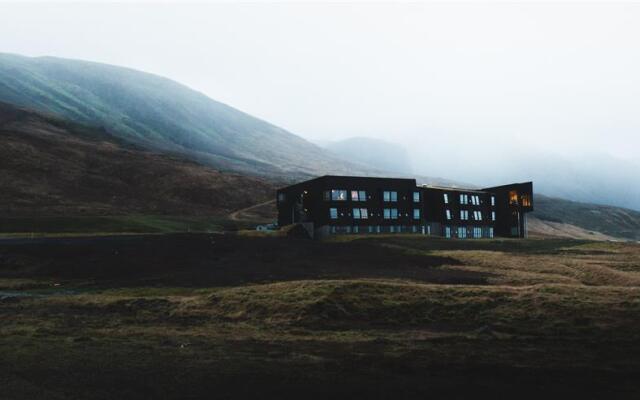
[[161, 114], [49, 166]]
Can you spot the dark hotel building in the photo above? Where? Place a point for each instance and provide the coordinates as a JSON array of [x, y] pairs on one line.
[[348, 204]]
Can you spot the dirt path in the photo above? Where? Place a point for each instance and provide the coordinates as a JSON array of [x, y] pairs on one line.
[[234, 215]]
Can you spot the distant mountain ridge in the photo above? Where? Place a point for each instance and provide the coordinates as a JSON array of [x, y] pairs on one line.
[[162, 114]]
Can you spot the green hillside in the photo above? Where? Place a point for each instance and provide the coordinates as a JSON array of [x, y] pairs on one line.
[[161, 114]]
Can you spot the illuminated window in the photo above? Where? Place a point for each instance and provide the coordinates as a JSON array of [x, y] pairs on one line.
[[333, 213], [462, 232], [448, 214], [338, 195], [493, 215], [358, 195], [490, 232], [416, 197], [464, 199], [513, 197], [446, 198], [464, 215], [394, 213], [416, 213], [475, 200], [526, 200], [477, 215], [493, 200], [447, 231]]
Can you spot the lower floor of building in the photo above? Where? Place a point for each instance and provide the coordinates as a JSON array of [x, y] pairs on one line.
[[431, 229]]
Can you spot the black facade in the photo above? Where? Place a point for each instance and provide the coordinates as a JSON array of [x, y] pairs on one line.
[[346, 204]]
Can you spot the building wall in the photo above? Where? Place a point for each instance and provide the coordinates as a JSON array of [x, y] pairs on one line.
[[329, 202]]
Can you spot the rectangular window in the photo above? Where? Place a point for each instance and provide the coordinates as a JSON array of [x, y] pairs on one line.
[[387, 213], [493, 215], [448, 214], [356, 213], [360, 213], [333, 213], [475, 200], [493, 201], [416, 213], [462, 232], [358, 195], [447, 232], [390, 196], [446, 198], [513, 197], [526, 200], [477, 215], [477, 233], [338, 195], [464, 214], [394, 213], [281, 197], [416, 197], [464, 199], [326, 195], [491, 232]]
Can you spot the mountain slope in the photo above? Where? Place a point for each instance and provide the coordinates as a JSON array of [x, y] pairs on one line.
[[161, 114], [49, 166], [609, 220]]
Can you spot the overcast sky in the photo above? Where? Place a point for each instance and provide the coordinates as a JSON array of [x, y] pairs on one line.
[[563, 78]]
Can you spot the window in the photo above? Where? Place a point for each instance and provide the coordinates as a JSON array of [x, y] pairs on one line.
[[477, 215], [394, 213], [387, 213], [281, 197], [416, 213], [338, 195], [390, 196], [327, 195], [493, 215], [477, 232], [333, 213], [358, 195], [464, 215], [390, 213], [513, 197], [360, 213], [493, 201], [448, 214], [447, 232], [475, 200], [491, 232], [464, 199], [446, 198], [416, 197], [526, 200], [462, 232]]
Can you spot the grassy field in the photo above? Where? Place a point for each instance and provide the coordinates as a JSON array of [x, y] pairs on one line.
[[193, 316], [70, 225]]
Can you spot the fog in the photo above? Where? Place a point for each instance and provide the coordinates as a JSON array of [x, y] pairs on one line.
[[469, 89]]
